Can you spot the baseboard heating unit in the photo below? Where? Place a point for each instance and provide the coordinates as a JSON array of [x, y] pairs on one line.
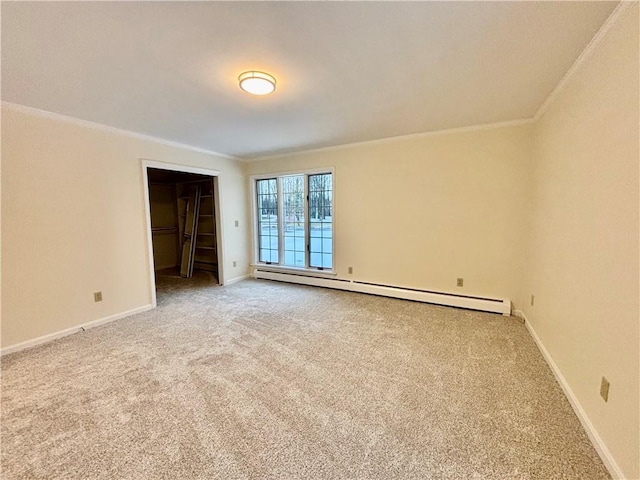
[[484, 304]]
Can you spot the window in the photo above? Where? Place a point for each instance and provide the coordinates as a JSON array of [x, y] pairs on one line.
[[320, 221], [295, 220], [268, 220]]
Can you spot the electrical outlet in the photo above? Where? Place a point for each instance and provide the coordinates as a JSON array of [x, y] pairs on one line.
[[460, 282], [235, 264], [604, 389], [350, 270], [532, 299], [97, 296], [237, 223]]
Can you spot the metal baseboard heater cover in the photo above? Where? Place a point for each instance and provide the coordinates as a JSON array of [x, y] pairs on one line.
[[493, 305]]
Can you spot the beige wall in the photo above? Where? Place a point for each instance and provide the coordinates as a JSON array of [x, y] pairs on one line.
[[73, 222], [583, 263], [421, 211], [164, 213]]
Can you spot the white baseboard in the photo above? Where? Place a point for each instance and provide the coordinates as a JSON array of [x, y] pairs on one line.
[[494, 305], [236, 279], [596, 440], [70, 331]]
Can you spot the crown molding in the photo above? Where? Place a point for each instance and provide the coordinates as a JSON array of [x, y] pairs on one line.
[[618, 13], [621, 9], [105, 128], [448, 131]]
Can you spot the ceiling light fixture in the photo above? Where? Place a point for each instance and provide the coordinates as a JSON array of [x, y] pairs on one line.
[[257, 83]]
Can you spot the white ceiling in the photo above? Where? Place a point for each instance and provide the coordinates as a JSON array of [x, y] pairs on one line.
[[347, 71]]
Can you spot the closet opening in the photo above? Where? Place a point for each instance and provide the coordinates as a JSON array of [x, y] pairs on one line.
[[183, 213]]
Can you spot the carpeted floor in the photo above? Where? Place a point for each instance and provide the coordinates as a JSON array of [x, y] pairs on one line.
[[261, 380]]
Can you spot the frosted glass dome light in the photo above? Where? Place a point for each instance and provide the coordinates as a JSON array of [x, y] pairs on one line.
[[257, 83]]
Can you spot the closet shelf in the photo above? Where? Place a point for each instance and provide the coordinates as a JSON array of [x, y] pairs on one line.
[[163, 230]]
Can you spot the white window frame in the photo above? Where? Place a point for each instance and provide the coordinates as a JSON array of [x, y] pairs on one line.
[[255, 243]]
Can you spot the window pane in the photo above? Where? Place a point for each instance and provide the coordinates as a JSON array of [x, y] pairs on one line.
[[321, 220], [294, 219], [289, 257], [326, 230], [268, 255], [315, 259], [315, 244], [267, 203]]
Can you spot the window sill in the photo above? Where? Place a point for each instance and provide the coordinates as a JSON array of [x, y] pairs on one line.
[[310, 272]]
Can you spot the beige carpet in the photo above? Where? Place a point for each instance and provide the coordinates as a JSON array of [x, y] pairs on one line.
[[261, 380]]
